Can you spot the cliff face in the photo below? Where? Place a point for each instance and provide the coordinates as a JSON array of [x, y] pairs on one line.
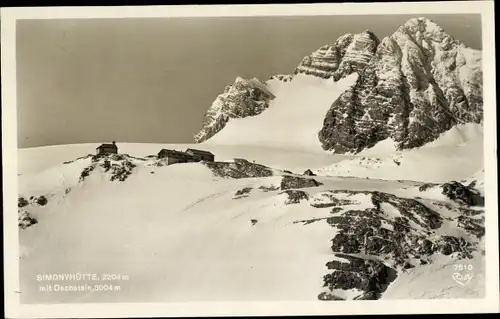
[[243, 98], [419, 83], [350, 53]]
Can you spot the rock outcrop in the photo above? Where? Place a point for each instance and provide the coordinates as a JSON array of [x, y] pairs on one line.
[[239, 168], [463, 194], [282, 77], [241, 193], [294, 196], [118, 166], [290, 182], [370, 277], [376, 235], [25, 220]]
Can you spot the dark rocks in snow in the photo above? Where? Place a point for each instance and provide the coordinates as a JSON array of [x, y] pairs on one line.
[[470, 212], [368, 276], [25, 220], [370, 295], [243, 192], [332, 203], [451, 244], [240, 168], [309, 173], [412, 209], [426, 186], [295, 196], [426, 247], [329, 200], [325, 296], [86, 172], [377, 231], [268, 188], [253, 221], [471, 225], [121, 172], [308, 221], [401, 225], [408, 265], [22, 202], [379, 246], [335, 210], [41, 200], [472, 184], [346, 244], [289, 182], [282, 77], [107, 165], [462, 194]]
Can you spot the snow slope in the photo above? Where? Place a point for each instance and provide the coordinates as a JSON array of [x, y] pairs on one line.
[[196, 247], [293, 118], [180, 235], [438, 283], [455, 155]]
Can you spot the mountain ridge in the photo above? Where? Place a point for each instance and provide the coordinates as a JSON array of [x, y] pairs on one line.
[[411, 86]]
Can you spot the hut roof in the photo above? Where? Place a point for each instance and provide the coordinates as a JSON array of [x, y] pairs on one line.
[[107, 146], [174, 153], [199, 151]]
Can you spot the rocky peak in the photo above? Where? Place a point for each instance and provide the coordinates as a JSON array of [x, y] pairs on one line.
[[419, 83], [423, 27], [241, 99], [348, 54]]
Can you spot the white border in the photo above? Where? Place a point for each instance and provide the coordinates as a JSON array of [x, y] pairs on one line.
[[9, 161]]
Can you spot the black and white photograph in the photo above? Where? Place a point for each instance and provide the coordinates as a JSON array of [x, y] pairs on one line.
[[323, 159]]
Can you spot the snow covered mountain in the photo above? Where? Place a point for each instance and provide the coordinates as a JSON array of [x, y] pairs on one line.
[[410, 87]]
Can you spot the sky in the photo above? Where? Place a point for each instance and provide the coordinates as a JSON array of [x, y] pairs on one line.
[[151, 80]]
